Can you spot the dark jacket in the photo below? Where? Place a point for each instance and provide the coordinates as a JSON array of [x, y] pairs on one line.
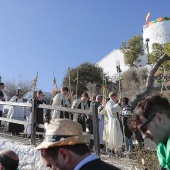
[[98, 165]]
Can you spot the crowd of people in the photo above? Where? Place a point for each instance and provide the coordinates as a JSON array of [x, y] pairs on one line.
[[66, 146]]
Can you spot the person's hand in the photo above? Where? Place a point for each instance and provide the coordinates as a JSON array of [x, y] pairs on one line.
[[75, 105], [119, 102], [91, 116], [120, 117]]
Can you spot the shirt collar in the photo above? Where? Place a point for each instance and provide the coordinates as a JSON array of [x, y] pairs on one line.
[[87, 159]]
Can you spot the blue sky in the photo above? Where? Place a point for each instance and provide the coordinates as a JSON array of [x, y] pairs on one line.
[[49, 35]]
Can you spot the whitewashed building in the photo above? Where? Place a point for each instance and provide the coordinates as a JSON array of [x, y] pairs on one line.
[[157, 31]]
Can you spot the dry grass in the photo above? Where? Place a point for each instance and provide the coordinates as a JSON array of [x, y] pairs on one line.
[[148, 155]]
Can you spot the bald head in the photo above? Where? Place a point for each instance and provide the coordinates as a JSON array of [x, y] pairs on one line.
[[10, 154], [99, 98], [9, 160]]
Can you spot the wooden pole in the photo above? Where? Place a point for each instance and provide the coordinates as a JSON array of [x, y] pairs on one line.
[[96, 129], [34, 113], [105, 91], [120, 92], [120, 97], [69, 84], [55, 81], [77, 83], [102, 88], [33, 122]]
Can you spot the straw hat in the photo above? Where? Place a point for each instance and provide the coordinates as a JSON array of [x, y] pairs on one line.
[[63, 132]]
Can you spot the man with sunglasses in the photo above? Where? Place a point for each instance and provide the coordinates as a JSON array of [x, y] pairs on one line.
[[152, 118]]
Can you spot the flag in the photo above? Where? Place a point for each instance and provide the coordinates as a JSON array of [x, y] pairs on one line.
[[35, 80], [147, 18], [69, 68], [75, 79], [54, 81], [103, 88], [118, 69], [120, 78]]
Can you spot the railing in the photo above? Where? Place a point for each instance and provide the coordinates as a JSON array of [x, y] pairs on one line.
[[33, 123]]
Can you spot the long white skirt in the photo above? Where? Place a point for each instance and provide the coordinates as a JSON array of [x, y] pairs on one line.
[[28, 128], [115, 136]]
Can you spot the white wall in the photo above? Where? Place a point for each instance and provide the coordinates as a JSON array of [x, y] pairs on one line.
[[157, 33], [109, 62]]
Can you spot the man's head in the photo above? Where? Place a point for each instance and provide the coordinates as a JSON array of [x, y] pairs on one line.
[[113, 96], [1, 95], [35, 94], [65, 91], [39, 95], [2, 86], [63, 144], [18, 93], [152, 118], [55, 91], [84, 97], [8, 160], [124, 101], [99, 98], [64, 157]]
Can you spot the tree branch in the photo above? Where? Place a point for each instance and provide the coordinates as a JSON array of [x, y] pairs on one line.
[[150, 80]]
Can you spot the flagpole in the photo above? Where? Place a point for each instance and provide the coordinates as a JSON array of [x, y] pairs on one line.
[[120, 93], [54, 81], [33, 118], [104, 90], [147, 18], [103, 84], [69, 84], [35, 82], [120, 97], [77, 83]]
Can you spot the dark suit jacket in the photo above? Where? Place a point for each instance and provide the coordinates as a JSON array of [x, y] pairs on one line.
[[98, 165]]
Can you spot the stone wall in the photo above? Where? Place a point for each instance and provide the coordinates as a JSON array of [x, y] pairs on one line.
[[29, 158]]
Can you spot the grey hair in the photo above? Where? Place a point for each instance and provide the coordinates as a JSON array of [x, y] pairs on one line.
[[99, 96]]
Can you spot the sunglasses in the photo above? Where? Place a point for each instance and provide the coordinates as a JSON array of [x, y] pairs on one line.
[[143, 127]]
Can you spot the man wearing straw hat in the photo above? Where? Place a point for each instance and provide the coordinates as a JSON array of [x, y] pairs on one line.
[[65, 148]]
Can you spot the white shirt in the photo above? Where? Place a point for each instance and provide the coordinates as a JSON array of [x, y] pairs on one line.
[[58, 99], [89, 158]]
